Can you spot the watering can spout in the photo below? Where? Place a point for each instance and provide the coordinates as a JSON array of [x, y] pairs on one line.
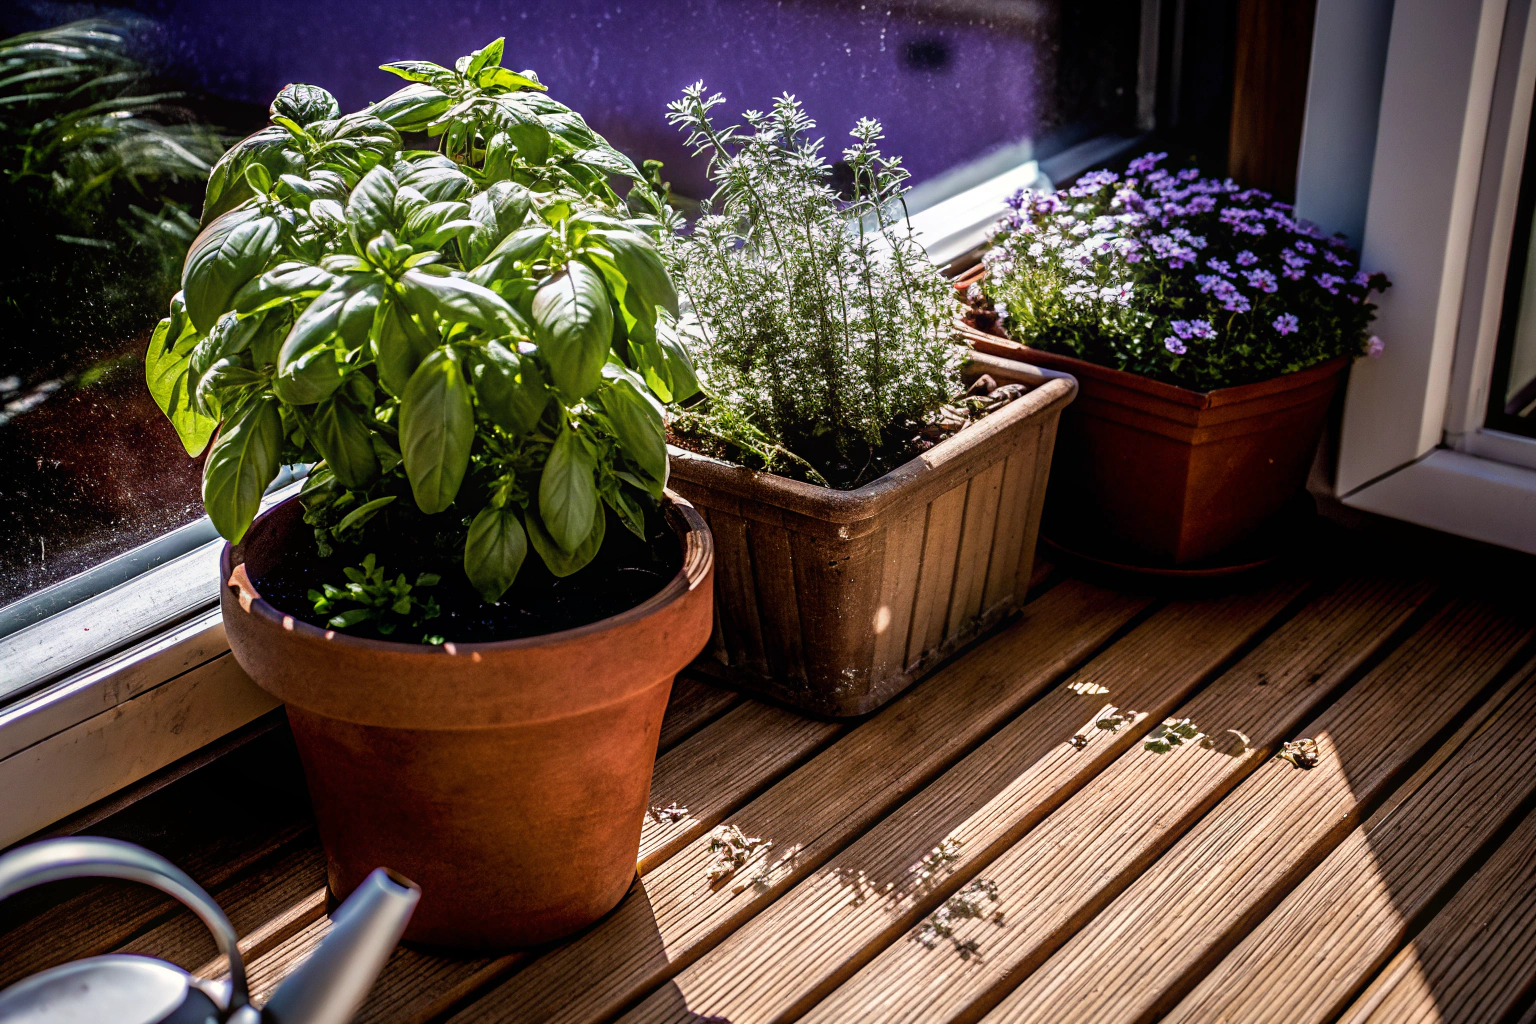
[[329, 987]]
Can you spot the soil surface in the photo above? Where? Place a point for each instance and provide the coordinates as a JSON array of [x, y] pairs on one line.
[[625, 573]]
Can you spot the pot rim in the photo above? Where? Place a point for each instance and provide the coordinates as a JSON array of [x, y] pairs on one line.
[[1125, 378], [1053, 388], [687, 524]]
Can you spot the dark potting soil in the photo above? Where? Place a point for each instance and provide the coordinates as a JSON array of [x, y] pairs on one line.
[[625, 573]]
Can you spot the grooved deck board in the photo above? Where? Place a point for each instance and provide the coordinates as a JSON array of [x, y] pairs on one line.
[[777, 963], [1476, 960], [1395, 881], [1330, 936], [675, 916], [1079, 857], [1143, 952]]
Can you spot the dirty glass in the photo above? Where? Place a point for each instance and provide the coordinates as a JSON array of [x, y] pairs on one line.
[[89, 469]]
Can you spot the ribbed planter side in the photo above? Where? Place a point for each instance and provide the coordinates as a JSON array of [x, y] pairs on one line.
[[835, 601]]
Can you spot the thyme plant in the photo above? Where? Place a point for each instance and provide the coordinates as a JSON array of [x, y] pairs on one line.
[[464, 339], [819, 326]]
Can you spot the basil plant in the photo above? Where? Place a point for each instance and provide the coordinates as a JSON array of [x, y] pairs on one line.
[[471, 343]]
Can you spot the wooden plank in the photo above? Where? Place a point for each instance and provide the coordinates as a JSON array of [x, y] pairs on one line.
[[780, 962], [981, 509], [1143, 951], [1476, 960], [694, 704], [936, 575], [676, 915], [1015, 499], [1328, 938], [711, 773]]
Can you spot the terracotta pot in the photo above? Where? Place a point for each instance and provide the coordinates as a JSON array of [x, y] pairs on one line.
[[1174, 474], [509, 780], [835, 601]]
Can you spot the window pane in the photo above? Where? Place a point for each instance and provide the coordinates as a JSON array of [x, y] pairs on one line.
[[1512, 399], [89, 468]]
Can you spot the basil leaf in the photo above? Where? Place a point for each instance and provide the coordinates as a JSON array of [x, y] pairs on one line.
[[437, 428], [227, 188], [560, 562], [285, 282], [358, 313], [521, 246], [413, 108], [304, 104], [399, 347], [575, 328], [433, 224], [371, 207], [358, 141], [223, 258], [504, 78], [628, 510], [241, 463], [418, 71], [638, 426], [497, 212], [511, 390], [436, 177], [568, 491], [494, 551], [609, 161], [166, 376], [639, 264], [363, 513], [487, 56], [457, 300], [344, 441], [679, 364]]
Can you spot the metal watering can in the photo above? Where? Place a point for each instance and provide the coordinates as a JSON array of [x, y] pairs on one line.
[[122, 989]]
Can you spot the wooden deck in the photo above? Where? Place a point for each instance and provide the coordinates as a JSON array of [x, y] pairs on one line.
[[1015, 839]]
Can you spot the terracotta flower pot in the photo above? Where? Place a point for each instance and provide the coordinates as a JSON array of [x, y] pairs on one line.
[[1174, 474], [509, 780], [835, 601]]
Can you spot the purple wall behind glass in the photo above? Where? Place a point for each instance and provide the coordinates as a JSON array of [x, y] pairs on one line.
[[945, 90]]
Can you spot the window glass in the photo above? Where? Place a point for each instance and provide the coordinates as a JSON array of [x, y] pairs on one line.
[[88, 468], [1512, 398]]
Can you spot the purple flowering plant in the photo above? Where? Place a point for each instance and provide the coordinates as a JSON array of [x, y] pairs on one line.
[[1187, 280]]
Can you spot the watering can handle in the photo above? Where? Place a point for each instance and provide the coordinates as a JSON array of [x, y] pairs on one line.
[[94, 857]]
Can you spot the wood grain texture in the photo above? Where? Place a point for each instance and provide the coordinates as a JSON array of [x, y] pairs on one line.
[[976, 547], [1476, 961], [1330, 936], [694, 704], [675, 915], [1079, 858], [1143, 952], [782, 960], [936, 579]]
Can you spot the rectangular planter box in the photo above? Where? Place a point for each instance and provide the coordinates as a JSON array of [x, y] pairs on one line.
[[1176, 475], [835, 601]]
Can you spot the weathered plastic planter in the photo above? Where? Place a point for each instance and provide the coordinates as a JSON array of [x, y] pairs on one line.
[[1178, 476], [510, 780], [835, 601]]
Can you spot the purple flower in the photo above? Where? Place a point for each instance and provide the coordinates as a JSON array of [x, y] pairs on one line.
[[1302, 245], [1246, 258], [1146, 162], [1221, 267], [1286, 323], [1189, 174], [1174, 345], [1261, 280], [1374, 347], [1361, 279], [1187, 329], [1292, 260], [1335, 260], [1330, 282]]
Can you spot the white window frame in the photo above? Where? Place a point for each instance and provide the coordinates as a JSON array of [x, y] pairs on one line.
[[1450, 143]]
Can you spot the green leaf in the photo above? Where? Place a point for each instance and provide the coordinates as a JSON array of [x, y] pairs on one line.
[[371, 207], [286, 282], [511, 390], [559, 562], [223, 258], [400, 345], [227, 188], [358, 141], [521, 246], [350, 618], [358, 314], [568, 491], [342, 437], [436, 177], [638, 425], [457, 300], [685, 383], [637, 262], [363, 513], [494, 551], [433, 224], [307, 370], [241, 463], [166, 375], [504, 78], [437, 428], [418, 71], [487, 56], [609, 161], [413, 108], [304, 104], [497, 212], [574, 321], [628, 510]]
